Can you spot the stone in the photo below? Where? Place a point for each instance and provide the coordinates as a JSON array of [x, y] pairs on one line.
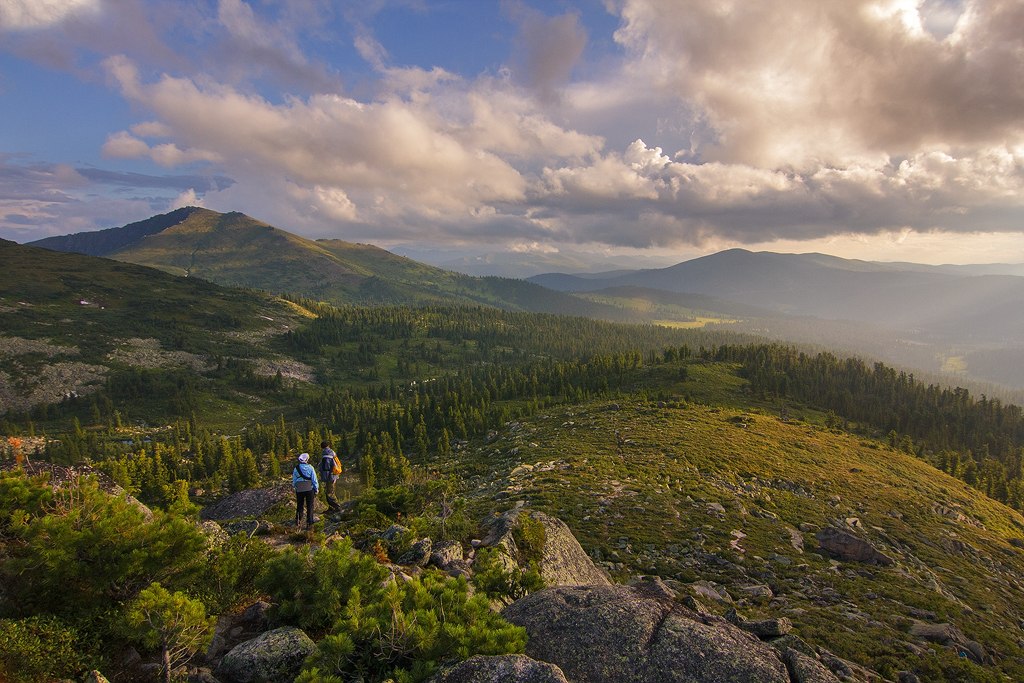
[[418, 555], [501, 669], [950, 636], [846, 546], [563, 561], [201, 675], [256, 613], [270, 657], [445, 554], [248, 503], [609, 633], [215, 534], [805, 669], [907, 677], [95, 677], [710, 591], [393, 532]]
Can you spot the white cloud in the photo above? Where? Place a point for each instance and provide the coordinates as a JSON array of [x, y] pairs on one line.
[[39, 14]]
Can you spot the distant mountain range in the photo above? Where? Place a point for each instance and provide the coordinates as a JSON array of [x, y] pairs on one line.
[[963, 319], [979, 304], [233, 249]]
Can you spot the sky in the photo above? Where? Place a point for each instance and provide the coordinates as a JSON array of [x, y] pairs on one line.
[[617, 130]]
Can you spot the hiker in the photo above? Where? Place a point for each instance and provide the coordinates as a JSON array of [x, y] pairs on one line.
[[330, 470], [306, 486]]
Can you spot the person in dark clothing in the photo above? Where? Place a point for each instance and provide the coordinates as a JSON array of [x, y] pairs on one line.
[[330, 470], [306, 486]]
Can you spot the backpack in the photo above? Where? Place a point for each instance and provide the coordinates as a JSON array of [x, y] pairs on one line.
[[330, 464], [306, 484]]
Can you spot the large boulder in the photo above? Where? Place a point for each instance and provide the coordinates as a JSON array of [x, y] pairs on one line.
[[846, 546], [564, 562], [270, 657], [249, 503], [628, 634], [501, 669]]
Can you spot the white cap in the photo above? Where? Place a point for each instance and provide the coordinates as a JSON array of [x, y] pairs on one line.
[[304, 457]]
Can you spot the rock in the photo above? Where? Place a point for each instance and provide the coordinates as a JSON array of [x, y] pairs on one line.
[[501, 669], [445, 553], [256, 614], [757, 591], [393, 532], [249, 503], [907, 677], [270, 657], [762, 628], [95, 677], [804, 669], [609, 633], [846, 546], [950, 636], [215, 534], [710, 591], [249, 527], [418, 555], [792, 642], [563, 563], [201, 675]]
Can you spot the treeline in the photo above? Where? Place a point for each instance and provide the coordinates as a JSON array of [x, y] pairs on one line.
[[979, 440]]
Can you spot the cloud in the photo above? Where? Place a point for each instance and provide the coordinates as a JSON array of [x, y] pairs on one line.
[[40, 199], [431, 152], [812, 82], [251, 46], [37, 14], [548, 48]]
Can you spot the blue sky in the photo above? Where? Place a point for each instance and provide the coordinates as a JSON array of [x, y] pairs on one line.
[[612, 131]]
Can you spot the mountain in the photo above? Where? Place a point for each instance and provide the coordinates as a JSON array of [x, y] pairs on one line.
[[75, 324], [944, 301], [105, 242], [235, 250]]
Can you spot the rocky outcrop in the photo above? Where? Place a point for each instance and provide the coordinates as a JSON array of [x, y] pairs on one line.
[[501, 669], [564, 562], [627, 634], [950, 636], [272, 656], [846, 546], [249, 503], [418, 555], [805, 669]]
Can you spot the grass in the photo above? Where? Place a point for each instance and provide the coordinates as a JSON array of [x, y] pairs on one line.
[[647, 501]]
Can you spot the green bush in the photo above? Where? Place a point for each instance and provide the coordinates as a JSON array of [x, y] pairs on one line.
[[231, 572], [405, 631], [21, 497], [309, 587], [90, 552], [499, 578], [374, 627], [40, 648], [530, 537]]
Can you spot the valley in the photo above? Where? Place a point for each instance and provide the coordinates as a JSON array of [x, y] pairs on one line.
[[838, 508]]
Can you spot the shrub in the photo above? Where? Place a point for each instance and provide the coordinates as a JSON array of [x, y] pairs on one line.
[[172, 622], [530, 537], [404, 632], [499, 578], [309, 587], [39, 648]]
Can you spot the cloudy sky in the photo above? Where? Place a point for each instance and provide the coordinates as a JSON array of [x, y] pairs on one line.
[[880, 129]]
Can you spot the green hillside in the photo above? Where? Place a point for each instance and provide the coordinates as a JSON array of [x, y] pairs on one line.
[[718, 489], [235, 250], [73, 325]]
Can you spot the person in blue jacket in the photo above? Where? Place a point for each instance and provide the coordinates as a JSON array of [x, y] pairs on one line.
[[305, 483]]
